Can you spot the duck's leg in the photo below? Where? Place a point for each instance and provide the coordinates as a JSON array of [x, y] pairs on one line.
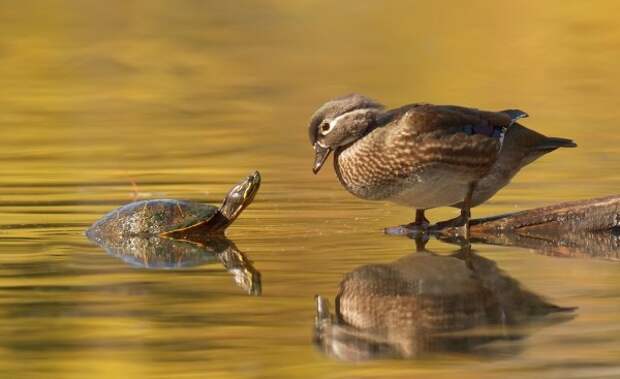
[[420, 219], [419, 226], [463, 219], [420, 242]]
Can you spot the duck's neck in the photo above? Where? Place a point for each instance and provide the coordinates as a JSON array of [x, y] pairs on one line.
[[358, 165]]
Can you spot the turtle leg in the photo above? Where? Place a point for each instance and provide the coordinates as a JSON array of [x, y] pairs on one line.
[[417, 227], [463, 219]]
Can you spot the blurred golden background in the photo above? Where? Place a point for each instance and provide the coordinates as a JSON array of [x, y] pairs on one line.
[[183, 98]]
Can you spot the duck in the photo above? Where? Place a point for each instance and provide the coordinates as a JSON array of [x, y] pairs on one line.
[[423, 155]]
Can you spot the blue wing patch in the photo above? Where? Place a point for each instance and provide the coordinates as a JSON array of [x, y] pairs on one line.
[[515, 115]]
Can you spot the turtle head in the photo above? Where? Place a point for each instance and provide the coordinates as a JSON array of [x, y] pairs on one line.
[[240, 196]]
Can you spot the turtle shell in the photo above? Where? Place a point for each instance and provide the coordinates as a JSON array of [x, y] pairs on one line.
[[150, 217]]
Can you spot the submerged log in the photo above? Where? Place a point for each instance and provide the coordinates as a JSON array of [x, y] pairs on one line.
[[584, 228], [593, 215]]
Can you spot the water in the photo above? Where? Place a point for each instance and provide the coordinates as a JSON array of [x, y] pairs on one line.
[[104, 103]]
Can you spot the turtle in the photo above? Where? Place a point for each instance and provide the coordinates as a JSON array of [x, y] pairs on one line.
[[173, 218]]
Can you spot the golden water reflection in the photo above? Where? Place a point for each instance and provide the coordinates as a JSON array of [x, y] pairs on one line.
[[156, 252], [182, 99], [425, 303]]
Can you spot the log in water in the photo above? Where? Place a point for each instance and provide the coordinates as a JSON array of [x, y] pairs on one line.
[[583, 228]]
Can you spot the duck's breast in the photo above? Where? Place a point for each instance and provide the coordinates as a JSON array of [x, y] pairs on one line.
[[369, 169]]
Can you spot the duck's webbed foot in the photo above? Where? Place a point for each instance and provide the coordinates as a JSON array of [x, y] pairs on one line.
[[418, 227]]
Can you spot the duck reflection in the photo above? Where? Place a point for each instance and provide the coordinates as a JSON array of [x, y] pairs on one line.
[[425, 303], [154, 252]]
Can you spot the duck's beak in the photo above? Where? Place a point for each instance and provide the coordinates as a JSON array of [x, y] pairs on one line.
[[320, 155]]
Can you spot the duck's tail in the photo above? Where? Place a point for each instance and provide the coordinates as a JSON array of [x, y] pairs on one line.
[[551, 143]]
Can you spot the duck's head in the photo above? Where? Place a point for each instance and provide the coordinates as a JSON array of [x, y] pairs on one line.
[[340, 122]]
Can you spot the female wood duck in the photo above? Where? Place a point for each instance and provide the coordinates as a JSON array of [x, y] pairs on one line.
[[424, 155]]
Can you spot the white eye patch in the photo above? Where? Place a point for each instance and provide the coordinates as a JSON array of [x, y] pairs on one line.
[[327, 127]]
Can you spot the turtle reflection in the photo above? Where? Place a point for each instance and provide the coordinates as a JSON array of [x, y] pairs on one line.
[[155, 252], [424, 303]]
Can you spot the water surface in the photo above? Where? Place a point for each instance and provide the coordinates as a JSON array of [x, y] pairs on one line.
[[102, 103]]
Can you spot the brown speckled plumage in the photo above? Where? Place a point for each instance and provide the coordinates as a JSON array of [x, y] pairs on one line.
[[411, 148], [521, 147], [424, 155]]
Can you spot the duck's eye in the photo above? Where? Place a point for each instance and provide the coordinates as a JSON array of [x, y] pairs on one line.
[[325, 128]]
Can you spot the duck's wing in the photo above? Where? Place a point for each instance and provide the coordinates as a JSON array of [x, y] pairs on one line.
[[452, 135]]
